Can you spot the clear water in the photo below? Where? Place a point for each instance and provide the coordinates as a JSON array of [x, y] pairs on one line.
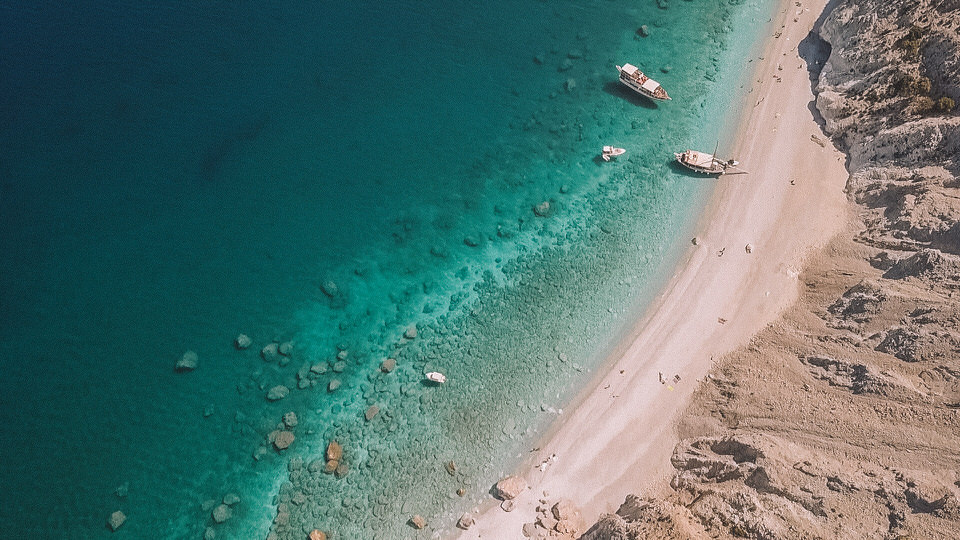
[[175, 174]]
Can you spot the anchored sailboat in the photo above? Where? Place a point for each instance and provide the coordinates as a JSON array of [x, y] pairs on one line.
[[705, 163]]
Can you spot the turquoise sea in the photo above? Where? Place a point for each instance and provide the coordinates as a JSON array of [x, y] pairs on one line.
[[328, 176]]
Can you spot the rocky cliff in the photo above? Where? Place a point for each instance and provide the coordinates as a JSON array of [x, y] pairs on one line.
[[842, 419]]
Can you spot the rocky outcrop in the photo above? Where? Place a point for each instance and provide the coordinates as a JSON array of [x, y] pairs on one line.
[[888, 96]]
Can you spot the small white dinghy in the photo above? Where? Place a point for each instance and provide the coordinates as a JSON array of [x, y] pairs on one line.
[[437, 377], [610, 152]]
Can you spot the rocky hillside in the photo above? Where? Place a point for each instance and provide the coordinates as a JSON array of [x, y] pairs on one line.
[[842, 420], [888, 95]]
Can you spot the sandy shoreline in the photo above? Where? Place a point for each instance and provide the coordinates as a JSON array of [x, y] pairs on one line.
[[619, 436]]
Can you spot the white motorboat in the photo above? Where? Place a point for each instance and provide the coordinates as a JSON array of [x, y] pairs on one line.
[[610, 152], [632, 77], [437, 377]]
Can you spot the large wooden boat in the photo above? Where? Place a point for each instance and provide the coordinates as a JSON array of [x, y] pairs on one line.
[[703, 162], [632, 77]]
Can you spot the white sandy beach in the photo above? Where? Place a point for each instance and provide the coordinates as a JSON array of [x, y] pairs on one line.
[[618, 437]]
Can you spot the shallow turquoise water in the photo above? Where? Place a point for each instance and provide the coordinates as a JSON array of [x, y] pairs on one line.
[[174, 175]]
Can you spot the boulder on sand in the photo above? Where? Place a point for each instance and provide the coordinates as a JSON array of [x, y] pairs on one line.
[[417, 522], [509, 488], [465, 522], [188, 362], [317, 534]]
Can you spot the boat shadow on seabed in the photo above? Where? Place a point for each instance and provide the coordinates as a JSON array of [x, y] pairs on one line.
[[614, 88]]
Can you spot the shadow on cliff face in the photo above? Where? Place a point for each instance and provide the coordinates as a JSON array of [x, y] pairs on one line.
[[814, 51]]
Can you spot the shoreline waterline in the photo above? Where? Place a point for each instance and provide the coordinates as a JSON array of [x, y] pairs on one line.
[[618, 436]]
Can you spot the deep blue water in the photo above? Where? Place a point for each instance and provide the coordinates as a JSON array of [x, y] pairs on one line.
[[174, 174]]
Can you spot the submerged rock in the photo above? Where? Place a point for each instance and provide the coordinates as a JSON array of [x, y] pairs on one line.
[[278, 392], [285, 348], [330, 288], [334, 451], [317, 534], [371, 413], [242, 342], [542, 209], [231, 499], [188, 362], [410, 332], [388, 365], [116, 520], [282, 439], [270, 352], [221, 513], [290, 419]]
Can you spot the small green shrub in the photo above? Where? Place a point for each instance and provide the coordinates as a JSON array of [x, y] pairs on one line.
[[908, 86], [945, 104], [911, 42], [922, 105]]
